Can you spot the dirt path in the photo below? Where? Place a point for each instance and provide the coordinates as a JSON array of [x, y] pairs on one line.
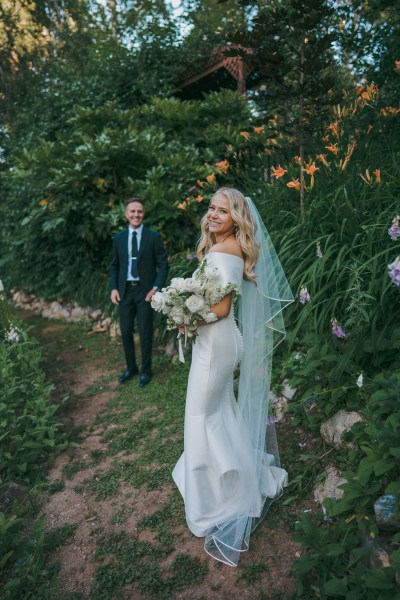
[[120, 520]]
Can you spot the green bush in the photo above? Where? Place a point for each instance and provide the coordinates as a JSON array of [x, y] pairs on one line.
[[29, 430], [337, 560]]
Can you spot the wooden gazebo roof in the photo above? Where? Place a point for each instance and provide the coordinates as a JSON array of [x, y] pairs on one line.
[[234, 65]]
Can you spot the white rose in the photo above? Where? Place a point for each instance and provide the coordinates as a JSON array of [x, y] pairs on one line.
[[178, 283], [176, 314], [158, 302], [191, 285], [195, 303], [210, 317]]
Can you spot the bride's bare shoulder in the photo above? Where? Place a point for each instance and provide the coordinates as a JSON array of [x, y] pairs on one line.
[[228, 246]]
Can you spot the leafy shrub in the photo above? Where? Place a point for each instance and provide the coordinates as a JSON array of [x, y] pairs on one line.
[[338, 554], [29, 430]]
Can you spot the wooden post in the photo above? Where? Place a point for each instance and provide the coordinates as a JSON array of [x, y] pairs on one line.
[[241, 80]]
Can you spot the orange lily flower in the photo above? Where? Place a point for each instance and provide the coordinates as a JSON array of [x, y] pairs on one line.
[[182, 206], [322, 158], [359, 89], [332, 148], [200, 183], [279, 172], [325, 138], [43, 202], [245, 134], [334, 127], [258, 129], [211, 179], [199, 198], [310, 169], [377, 174], [222, 165], [297, 160], [295, 184]]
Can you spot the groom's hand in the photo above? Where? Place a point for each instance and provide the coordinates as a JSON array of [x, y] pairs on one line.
[[115, 297]]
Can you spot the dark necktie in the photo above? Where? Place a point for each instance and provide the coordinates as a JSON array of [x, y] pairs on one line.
[[134, 270]]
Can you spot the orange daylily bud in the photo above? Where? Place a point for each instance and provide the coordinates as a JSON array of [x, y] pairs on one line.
[[366, 178], [322, 158], [377, 174], [279, 172], [345, 162], [370, 128], [200, 183], [295, 184]]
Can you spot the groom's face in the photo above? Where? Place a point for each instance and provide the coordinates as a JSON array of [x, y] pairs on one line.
[[134, 213]]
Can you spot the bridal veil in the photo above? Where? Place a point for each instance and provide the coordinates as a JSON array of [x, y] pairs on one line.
[[262, 327]]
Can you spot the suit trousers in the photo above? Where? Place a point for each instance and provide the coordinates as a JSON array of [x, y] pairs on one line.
[[134, 305]]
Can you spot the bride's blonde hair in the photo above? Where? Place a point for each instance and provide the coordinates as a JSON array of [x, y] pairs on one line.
[[244, 230]]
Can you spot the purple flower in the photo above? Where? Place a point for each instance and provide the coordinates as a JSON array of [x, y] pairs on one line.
[[190, 256], [394, 271], [394, 229], [337, 330], [304, 295], [271, 420], [13, 335], [319, 251]]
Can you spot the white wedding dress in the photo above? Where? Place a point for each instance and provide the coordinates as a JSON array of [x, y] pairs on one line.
[[216, 474]]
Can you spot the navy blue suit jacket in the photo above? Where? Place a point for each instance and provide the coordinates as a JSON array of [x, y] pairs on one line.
[[152, 261]]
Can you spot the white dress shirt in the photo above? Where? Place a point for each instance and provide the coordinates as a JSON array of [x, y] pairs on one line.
[[139, 236]]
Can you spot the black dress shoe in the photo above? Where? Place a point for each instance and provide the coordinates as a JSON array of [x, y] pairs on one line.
[[144, 380], [128, 375]]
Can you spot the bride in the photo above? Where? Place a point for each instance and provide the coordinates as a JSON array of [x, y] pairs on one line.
[[229, 472]]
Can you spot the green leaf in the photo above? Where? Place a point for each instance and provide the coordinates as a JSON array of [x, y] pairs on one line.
[[382, 466], [336, 587], [377, 579], [335, 550]]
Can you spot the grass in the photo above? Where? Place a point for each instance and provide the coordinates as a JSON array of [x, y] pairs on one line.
[[141, 437]]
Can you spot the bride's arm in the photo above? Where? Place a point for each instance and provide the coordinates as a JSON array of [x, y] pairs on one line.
[[223, 307]]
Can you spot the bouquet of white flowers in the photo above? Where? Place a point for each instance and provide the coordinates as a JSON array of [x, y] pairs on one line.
[[188, 301]]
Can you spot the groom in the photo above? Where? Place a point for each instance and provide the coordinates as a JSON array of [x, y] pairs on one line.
[[139, 267]]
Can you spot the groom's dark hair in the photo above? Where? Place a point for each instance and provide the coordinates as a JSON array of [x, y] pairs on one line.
[[134, 199]]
